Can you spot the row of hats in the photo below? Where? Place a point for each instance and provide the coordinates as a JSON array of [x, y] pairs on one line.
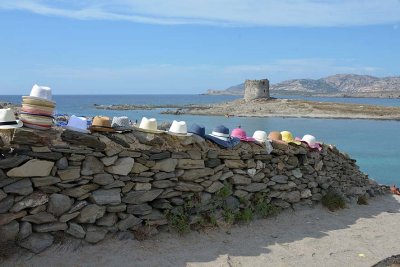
[[38, 108], [220, 134]]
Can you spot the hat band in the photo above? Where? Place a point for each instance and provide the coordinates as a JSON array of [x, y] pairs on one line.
[[9, 123], [220, 134]]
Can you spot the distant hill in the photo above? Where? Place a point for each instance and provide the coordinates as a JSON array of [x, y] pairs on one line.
[[336, 85]]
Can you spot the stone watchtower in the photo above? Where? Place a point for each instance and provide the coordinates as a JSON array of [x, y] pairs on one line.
[[255, 89]]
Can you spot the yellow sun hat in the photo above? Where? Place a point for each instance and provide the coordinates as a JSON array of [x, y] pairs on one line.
[[288, 138]]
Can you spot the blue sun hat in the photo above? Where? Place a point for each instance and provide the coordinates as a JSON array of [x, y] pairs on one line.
[[220, 135], [199, 130]]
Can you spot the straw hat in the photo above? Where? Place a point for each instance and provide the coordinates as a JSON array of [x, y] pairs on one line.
[[42, 120], [101, 124], [220, 136], [121, 123], [241, 134], [37, 109], [41, 94], [77, 124], [288, 138], [178, 128], [8, 120], [148, 126]]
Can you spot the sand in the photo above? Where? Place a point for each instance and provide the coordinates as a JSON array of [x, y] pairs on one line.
[[355, 236]]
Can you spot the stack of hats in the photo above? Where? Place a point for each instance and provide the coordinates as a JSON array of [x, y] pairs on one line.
[[38, 108]]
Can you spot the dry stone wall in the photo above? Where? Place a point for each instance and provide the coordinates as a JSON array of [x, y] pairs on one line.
[[88, 185]]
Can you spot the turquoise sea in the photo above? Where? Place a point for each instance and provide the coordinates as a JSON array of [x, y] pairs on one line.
[[374, 144]]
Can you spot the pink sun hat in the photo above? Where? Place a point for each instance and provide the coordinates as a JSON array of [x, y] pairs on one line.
[[311, 141], [241, 134]]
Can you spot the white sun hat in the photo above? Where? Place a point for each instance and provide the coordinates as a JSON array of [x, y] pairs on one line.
[[262, 137], [311, 141], [39, 93], [77, 124], [8, 120], [148, 126], [178, 128]]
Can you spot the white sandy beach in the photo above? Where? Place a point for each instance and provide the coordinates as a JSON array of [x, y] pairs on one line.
[[355, 236]]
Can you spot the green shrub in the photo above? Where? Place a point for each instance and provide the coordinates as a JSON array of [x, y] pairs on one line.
[[362, 200], [245, 215], [333, 201], [229, 216], [264, 209], [225, 191], [179, 222]]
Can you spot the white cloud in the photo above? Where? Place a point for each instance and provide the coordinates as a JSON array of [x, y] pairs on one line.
[[306, 13]]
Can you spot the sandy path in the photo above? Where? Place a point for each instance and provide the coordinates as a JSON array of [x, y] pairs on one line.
[[306, 237]]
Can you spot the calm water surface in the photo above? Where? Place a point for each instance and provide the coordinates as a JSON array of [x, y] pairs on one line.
[[374, 144]]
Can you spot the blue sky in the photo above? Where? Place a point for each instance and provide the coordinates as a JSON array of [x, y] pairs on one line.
[[155, 46]]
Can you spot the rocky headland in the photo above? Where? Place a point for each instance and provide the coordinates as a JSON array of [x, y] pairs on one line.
[[340, 85]]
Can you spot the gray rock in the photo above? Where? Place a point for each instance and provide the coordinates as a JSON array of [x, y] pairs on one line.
[[226, 175], [103, 179], [62, 163], [235, 164], [161, 204], [297, 173], [21, 187], [142, 186], [164, 175], [91, 213], [159, 156], [122, 166], [59, 204], [95, 234], [163, 184], [6, 218], [116, 208], [212, 163], [139, 197], [39, 218], [190, 164], [2, 195], [189, 187], [33, 200], [129, 222], [6, 204], [9, 231], [106, 196], [255, 187], [79, 191], [45, 181], [12, 162], [306, 193], [141, 209], [88, 140], [91, 165], [32, 168], [215, 187], [280, 179], [53, 156], [76, 230], [37, 242], [292, 197], [238, 179], [50, 227], [138, 168], [166, 165], [194, 154], [232, 203], [108, 161], [280, 203], [78, 206], [108, 220], [25, 230], [194, 174], [115, 184], [69, 216], [70, 174], [155, 215]]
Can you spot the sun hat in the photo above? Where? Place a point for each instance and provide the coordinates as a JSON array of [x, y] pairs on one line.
[[40, 93], [37, 126], [220, 135], [148, 126], [288, 138], [178, 128], [261, 137], [241, 134], [101, 124], [8, 120], [77, 124], [199, 130], [311, 141], [39, 102], [275, 136], [42, 120], [121, 123]]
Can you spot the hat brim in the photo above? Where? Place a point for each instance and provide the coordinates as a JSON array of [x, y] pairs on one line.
[[37, 126], [294, 142], [71, 128], [315, 146], [37, 109], [224, 143], [101, 129], [179, 134], [38, 99], [147, 130], [14, 126], [248, 139]]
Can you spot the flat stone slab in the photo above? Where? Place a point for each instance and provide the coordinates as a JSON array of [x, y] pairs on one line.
[[32, 168]]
